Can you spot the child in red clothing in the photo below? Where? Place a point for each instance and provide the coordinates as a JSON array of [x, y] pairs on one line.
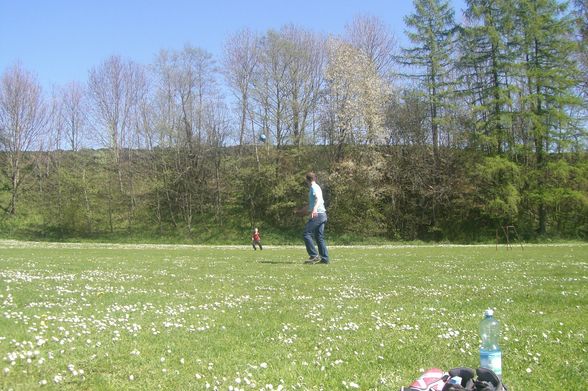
[[256, 239]]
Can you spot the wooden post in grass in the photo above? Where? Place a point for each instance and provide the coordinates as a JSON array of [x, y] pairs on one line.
[[506, 230], [516, 233]]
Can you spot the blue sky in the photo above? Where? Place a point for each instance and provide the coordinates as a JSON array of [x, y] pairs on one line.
[[61, 40]]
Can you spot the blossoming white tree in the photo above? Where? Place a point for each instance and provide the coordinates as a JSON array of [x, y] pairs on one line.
[[354, 97]]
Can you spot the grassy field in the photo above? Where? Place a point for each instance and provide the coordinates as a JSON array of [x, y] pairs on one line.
[[108, 317]]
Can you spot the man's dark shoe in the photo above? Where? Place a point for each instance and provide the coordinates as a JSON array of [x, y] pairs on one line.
[[323, 261], [313, 260]]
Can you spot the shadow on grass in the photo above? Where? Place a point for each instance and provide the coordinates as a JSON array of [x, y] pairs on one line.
[[278, 262]]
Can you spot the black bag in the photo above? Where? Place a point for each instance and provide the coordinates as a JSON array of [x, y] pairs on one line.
[[481, 379], [486, 380]]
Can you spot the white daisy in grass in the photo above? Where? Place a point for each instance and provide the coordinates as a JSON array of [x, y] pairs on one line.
[[351, 385]]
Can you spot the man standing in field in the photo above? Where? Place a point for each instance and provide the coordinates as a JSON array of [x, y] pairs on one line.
[[315, 226]]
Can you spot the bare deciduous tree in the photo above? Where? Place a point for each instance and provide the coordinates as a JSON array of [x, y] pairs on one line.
[[115, 89], [305, 76], [373, 38], [287, 83], [23, 119], [73, 115], [186, 92], [271, 87], [239, 64]]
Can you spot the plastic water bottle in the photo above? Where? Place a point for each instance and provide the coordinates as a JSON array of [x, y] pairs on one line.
[[490, 353]]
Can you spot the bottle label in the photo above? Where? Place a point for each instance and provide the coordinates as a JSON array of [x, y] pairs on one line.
[[491, 360]]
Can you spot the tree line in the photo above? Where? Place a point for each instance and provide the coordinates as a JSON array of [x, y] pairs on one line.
[[468, 128]]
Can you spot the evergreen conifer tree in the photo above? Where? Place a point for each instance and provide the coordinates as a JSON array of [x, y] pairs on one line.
[[431, 30]]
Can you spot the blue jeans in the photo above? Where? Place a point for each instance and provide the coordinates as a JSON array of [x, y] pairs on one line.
[[315, 228]]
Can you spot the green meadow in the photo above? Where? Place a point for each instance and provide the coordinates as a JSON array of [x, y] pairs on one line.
[[133, 317]]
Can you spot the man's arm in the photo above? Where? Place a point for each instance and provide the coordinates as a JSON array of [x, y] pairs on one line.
[[314, 212]]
